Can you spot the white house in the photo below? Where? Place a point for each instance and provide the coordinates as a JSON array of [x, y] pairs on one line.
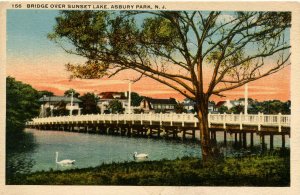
[[189, 105], [106, 97], [52, 102], [158, 105]]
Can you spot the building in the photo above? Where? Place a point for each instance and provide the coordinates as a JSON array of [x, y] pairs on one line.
[[52, 103], [233, 103], [106, 97], [189, 106], [158, 105]]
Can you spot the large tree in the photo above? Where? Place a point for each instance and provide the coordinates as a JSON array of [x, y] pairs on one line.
[[89, 103], [69, 92], [181, 49], [21, 104]]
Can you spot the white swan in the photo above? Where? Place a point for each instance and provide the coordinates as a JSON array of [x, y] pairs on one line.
[[64, 162], [139, 156]]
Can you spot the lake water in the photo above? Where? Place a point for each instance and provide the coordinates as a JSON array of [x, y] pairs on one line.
[[90, 150]]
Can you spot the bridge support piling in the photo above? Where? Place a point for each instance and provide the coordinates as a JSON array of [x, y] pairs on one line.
[[283, 141], [225, 138], [251, 139], [244, 140], [158, 132], [183, 134], [151, 132], [271, 141], [235, 138], [174, 133], [193, 134], [263, 141], [240, 139]]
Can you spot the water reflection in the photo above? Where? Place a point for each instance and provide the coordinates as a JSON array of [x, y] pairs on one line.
[[19, 149], [36, 150]]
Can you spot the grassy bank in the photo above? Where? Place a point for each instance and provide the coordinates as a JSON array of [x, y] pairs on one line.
[[268, 170]]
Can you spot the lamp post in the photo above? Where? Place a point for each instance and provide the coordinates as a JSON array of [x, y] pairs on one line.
[[129, 98], [71, 108], [246, 99]]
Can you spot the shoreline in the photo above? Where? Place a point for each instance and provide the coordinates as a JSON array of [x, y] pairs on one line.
[[272, 169]]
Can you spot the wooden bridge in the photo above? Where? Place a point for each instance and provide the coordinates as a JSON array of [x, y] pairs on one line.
[[171, 125]]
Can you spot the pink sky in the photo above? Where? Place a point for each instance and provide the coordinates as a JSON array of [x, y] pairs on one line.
[[35, 60], [50, 74]]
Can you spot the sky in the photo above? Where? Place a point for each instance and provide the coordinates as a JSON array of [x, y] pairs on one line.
[[33, 59]]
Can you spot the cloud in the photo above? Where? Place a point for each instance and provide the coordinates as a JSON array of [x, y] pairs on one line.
[[157, 92]]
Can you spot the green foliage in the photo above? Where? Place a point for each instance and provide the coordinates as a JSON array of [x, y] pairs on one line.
[[237, 109], [179, 108], [136, 99], [21, 104], [172, 47], [223, 109], [69, 92], [46, 93], [60, 109], [271, 107], [269, 170], [115, 106], [89, 103]]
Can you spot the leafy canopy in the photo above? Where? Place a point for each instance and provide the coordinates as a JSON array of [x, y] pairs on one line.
[[176, 47]]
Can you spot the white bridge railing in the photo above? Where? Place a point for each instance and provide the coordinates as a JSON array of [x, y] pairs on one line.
[[223, 119]]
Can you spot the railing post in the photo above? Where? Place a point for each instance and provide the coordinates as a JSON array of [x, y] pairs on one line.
[[279, 121], [117, 118], [132, 117], [125, 117], [141, 118], [172, 114], [195, 121], [224, 120], [150, 118], [182, 115], [259, 121], [241, 124], [160, 118], [110, 117], [209, 122]]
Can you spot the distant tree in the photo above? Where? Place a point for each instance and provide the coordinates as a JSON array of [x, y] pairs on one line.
[[237, 109], [89, 103], [179, 108], [256, 108], [136, 99], [46, 93], [60, 109], [69, 92], [21, 104], [115, 106], [286, 107], [223, 109]]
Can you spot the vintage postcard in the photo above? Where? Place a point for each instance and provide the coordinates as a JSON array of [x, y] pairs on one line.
[[180, 97]]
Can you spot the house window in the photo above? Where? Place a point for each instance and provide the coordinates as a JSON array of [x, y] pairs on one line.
[[167, 107], [159, 106]]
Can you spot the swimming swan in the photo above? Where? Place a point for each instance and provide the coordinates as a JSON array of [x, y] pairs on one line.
[[139, 156], [64, 162]]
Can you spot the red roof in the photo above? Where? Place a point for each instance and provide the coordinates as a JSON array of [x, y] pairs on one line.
[[220, 103], [110, 95]]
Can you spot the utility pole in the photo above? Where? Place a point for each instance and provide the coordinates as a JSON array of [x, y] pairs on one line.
[[129, 98], [246, 99], [71, 108]]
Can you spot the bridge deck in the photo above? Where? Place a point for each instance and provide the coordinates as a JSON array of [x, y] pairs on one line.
[[260, 122]]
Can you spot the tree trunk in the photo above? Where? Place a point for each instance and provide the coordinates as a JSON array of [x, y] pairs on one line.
[[206, 145]]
